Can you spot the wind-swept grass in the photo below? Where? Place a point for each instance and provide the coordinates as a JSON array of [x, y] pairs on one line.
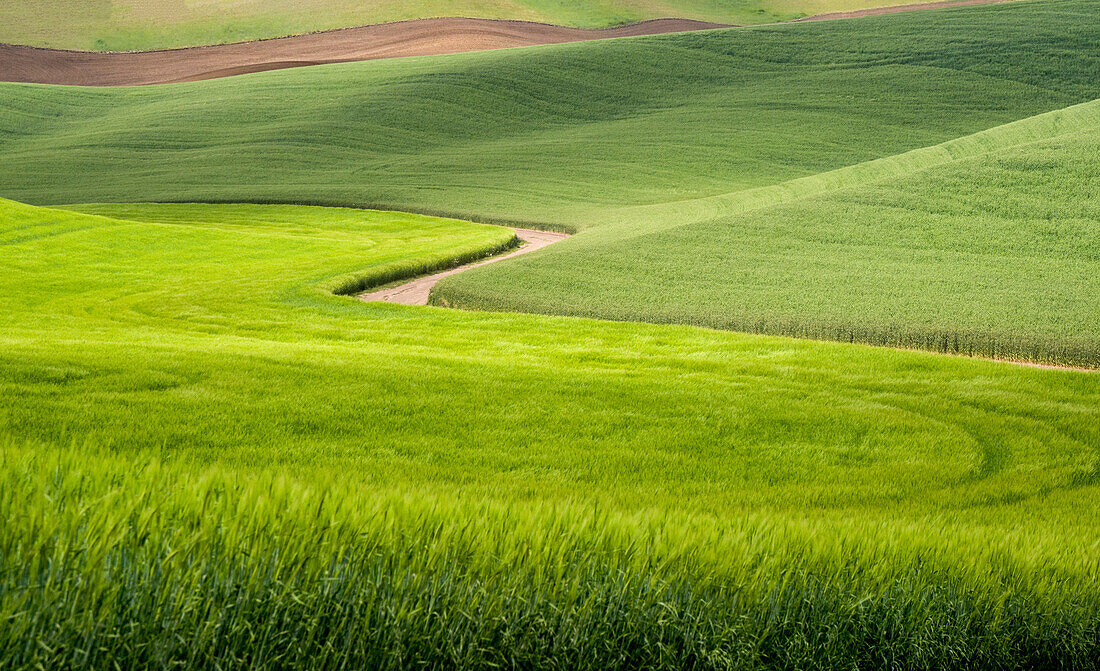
[[208, 459], [132, 561]]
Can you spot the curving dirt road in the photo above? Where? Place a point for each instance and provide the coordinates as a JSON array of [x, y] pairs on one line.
[[421, 37], [416, 291]]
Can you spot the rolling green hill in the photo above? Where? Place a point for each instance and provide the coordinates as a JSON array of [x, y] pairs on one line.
[[211, 460], [988, 245], [558, 134], [200, 441], [636, 136], [127, 25]]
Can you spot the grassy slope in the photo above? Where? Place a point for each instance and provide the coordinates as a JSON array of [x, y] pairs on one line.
[[122, 25], [639, 135], [335, 482], [994, 252], [909, 508], [574, 131]]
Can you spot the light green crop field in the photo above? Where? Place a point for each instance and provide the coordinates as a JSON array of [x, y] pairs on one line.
[[560, 135], [202, 442], [128, 25], [211, 457]]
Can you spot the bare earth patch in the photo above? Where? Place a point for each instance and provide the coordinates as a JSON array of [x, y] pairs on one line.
[[420, 37], [423, 37], [896, 8]]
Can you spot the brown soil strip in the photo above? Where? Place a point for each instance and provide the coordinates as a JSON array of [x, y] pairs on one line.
[[1014, 362], [415, 292], [1046, 366], [422, 37], [897, 8], [971, 357]]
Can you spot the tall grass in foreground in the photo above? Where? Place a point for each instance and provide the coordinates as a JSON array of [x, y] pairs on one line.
[[383, 486], [107, 561]]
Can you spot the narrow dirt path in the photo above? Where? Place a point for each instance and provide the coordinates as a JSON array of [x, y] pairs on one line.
[[416, 291], [420, 37]]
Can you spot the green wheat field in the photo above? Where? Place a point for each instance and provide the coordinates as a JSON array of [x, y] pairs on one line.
[[812, 385]]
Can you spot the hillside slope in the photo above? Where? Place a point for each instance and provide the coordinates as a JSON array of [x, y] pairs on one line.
[[197, 436], [986, 245], [629, 137], [424, 37], [558, 134]]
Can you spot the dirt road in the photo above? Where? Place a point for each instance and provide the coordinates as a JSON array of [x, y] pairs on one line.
[[416, 291]]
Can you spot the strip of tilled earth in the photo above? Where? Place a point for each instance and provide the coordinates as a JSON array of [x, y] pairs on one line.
[[895, 9], [421, 37]]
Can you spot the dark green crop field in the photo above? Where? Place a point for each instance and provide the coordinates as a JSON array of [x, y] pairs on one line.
[[213, 457], [562, 135], [987, 246]]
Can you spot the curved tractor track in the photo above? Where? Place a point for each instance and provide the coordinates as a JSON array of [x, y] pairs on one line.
[[420, 37]]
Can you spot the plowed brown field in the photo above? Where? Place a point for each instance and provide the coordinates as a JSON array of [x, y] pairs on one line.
[[386, 40], [423, 37]]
